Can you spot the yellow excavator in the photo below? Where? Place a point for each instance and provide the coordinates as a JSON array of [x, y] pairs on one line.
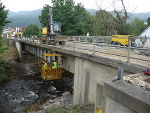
[[51, 66], [44, 35], [48, 32]]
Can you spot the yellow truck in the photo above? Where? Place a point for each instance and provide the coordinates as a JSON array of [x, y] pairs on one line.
[[120, 39]]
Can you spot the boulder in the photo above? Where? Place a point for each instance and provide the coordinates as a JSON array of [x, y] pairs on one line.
[[53, 105]]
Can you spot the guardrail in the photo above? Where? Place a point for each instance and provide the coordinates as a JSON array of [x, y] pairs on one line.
[[95, 45]]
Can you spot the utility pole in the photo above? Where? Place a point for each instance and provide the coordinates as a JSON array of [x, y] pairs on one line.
[[50, 27], [50, 22]]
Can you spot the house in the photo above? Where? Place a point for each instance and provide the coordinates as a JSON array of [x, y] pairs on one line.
[[13, 32], [9, 32], [145, 38]]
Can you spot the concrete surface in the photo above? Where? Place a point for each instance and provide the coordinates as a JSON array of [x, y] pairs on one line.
[[87, 75], [136, 99], [113, 106]]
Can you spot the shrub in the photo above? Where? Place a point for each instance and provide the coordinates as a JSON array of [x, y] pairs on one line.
[[3, 76]]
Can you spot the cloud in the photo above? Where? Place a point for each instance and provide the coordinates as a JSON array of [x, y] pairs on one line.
[[132, 5], [21, 5]]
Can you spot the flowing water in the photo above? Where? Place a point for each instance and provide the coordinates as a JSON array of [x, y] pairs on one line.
[[27, 87]]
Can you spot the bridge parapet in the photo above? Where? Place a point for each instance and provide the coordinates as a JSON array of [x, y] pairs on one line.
[[123, 97]]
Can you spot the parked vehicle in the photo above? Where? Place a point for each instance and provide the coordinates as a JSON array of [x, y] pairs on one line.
[[121, 39]]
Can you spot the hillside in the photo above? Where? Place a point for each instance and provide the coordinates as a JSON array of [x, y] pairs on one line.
[[142, 16], [25, 18]]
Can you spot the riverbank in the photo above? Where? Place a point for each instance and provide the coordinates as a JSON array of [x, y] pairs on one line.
[[26, 92], [8, 54], [62, 104], [26, 87]]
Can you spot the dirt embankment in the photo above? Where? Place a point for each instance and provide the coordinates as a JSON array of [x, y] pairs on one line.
[[8, 55], [11, 55]]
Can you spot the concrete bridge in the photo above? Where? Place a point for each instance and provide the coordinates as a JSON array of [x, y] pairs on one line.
[[92, 65]]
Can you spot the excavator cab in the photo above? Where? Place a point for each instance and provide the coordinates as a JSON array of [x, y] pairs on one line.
[[51, 66]]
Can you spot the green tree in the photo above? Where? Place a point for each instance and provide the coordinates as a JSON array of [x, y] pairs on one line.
[[81, 20], [136, 27], [4, 67], [44, 15], [102, 23], [3, 16], [73, 18], [148, 21], [32, 30]]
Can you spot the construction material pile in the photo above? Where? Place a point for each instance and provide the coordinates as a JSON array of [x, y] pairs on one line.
[[145, 52], [138, 79]]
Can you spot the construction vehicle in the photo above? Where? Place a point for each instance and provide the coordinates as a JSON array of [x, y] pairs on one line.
[[48, 72], [45, 39], [50, 32], [44, 35], [147, 71], [121, 39]]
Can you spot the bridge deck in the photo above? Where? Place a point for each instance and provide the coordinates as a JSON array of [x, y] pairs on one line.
[[116, 53], [109, 52]]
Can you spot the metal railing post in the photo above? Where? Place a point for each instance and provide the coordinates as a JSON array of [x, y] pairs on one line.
[[129, 46], [120, 74], [79, 39], [94, 47], [74, 45]]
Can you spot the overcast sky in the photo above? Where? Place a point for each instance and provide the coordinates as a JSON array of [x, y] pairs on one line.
[[132, 5]]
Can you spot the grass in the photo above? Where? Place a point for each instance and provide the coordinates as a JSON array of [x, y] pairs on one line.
[[59, 111], [4, 76], [4, 66], [3, 46], [4, 70], [74, 110]]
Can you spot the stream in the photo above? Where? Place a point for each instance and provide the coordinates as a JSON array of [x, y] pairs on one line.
[[27, 87]]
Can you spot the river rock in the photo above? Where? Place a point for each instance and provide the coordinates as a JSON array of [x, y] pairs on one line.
[[66, 94], [51, 101], [53, 105], [47, 103], [41, 111]]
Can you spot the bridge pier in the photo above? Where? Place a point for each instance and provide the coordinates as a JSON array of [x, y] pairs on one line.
[[19, 49], [37, 51], [40, 51], [89, 80]]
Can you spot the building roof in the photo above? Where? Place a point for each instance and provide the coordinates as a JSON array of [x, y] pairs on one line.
[[146, 32], [22, 29]]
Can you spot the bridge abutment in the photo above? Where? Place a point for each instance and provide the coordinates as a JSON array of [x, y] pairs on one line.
[[19, 49]]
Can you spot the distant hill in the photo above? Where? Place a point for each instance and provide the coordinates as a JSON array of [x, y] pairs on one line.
[[25, 18], [91, 11], [142, 16]]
